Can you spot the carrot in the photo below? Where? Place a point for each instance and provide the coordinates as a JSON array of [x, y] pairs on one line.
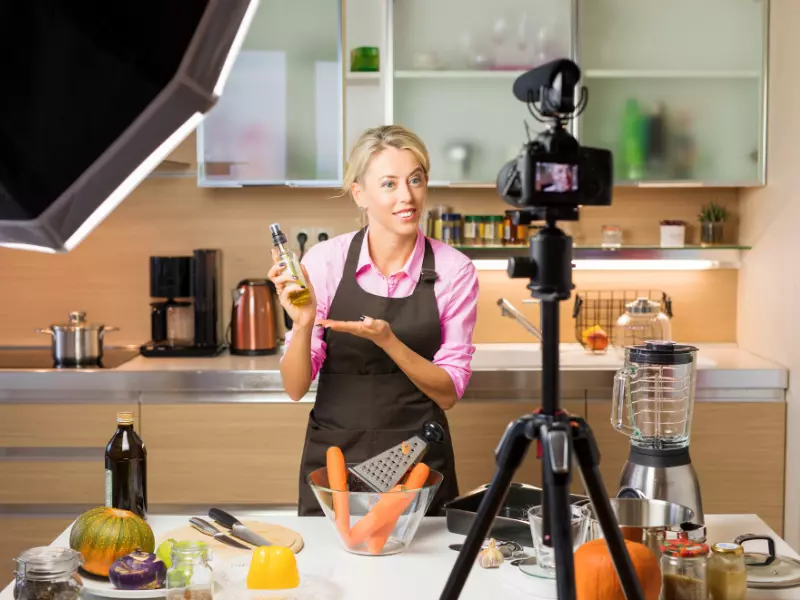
[[337, 479], [415, 480], [390, 506]]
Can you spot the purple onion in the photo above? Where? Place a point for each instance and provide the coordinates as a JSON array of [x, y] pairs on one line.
[[138, 571]]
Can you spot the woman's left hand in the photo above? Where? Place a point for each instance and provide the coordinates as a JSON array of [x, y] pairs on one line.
[[377, 330]]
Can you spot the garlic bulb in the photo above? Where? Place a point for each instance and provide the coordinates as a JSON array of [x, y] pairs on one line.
[[491, 557]]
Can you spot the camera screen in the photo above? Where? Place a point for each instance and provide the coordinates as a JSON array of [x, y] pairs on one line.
[[556, 177]]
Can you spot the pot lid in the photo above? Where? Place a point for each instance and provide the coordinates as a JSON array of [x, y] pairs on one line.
[[642, 306], [768, 571], [77, 320]]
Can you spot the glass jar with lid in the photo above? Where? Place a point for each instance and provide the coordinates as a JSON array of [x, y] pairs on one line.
[[493, 230], [727, 573], [48, 573], [684, 570], [190, 576], [473, 230], [642, 321], [451, 229]]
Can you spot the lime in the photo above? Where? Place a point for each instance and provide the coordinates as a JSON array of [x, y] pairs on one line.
[[164, 552]]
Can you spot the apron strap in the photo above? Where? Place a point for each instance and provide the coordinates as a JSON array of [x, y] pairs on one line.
[[353, 253]]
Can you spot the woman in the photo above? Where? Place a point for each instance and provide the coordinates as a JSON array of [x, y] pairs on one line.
[[389, 326]]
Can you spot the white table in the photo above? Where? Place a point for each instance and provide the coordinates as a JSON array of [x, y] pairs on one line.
[[423, 569]]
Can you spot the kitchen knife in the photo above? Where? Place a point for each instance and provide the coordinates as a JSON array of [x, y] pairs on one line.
[[210, 530], [237, 529]]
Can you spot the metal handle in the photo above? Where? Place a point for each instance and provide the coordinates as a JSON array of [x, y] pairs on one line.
[[109, 328], [204, 526], [619, 396], [48, 331]]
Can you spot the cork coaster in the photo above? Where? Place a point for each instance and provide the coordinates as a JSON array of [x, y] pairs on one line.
[[277, 534]]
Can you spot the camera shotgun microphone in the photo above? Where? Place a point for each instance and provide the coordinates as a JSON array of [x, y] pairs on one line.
[[557, 79]]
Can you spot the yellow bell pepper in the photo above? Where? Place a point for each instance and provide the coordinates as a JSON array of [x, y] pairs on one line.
[[273, 568]]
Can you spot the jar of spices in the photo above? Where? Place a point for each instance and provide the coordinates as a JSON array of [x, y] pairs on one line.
[[684, 568], [727, 573], [190, 576], [493, 230], [451, 229], [514, 235], [473, 234], [48, 573]]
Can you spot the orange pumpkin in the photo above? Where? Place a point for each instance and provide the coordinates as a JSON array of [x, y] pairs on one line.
[[596, 578], [102, 535]]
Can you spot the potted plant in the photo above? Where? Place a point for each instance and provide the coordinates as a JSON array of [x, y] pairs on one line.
[[673, 234], [712, 218]]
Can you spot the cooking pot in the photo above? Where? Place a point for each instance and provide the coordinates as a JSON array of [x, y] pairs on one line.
[[77, 342]]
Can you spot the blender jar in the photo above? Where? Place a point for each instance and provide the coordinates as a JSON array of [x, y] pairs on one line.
[[653, 395]]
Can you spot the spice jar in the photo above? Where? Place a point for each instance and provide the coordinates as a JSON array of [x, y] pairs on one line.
[[190, 576], [473, 234], [514, 235], [493, 230], [727, 573], [48, 573], [684, 567], [451, 229]]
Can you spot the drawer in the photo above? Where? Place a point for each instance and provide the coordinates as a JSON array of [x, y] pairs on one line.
[[60, 425], [224, 453], [23, 532], [29, 481]]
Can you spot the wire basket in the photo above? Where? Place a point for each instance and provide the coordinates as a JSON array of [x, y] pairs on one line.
[[603, 307]]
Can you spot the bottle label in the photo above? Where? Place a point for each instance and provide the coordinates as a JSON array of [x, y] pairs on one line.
[[109, 487]]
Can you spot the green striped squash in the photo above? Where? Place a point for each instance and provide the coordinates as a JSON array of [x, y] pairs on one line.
[[102, 535]]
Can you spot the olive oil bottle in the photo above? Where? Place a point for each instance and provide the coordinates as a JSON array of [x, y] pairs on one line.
[[126, 468], [301, 296]]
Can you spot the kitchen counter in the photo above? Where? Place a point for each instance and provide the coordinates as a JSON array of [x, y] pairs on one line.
[[423, 569], [507, 371]]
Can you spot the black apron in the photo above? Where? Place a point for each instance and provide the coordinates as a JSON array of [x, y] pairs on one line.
[[365, 404]]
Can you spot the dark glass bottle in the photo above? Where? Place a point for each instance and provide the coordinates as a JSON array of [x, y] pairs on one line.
[[126, 468]]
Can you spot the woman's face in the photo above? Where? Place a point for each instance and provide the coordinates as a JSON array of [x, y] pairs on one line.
[[393, 191]]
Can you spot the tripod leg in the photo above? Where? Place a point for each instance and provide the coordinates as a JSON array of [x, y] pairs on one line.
[[556, 459], [510, 453], [588, 459]]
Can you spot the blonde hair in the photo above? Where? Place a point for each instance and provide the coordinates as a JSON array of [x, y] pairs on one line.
[[376, 139]]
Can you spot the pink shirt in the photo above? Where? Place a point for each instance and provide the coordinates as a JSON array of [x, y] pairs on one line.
[[456, 291]]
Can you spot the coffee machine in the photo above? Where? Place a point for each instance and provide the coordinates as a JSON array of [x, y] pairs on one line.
[[653, 400], [185, 316]]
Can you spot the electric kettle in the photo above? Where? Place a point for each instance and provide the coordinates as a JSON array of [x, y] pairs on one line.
[[254, 327]]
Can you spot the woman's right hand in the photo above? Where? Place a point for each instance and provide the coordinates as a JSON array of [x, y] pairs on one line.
[[285, 284]]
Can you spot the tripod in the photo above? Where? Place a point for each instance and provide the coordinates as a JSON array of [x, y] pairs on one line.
[[549, 269]]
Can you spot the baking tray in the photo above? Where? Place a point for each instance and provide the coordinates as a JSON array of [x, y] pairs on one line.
[[511, 523]]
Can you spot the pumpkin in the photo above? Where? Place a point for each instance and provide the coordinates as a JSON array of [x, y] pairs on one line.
[[103, 535], [596, 578]]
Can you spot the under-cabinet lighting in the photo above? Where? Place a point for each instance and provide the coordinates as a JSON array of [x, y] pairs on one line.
[[134, 179], [614, 265], [33, 247]]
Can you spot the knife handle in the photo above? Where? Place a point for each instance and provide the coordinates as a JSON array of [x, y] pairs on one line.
[[203, 526], [223, 518]]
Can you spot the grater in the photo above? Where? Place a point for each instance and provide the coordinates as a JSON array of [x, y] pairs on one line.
[[385, 470]]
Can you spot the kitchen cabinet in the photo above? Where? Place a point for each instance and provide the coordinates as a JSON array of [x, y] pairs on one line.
[[477, 427], [737, 473], [454, 89], [280, 119], [676, 89], [223, 453]]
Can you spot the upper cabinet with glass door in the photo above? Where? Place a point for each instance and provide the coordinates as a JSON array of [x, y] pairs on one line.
[[454, 63], [676, 89], [280, 119]]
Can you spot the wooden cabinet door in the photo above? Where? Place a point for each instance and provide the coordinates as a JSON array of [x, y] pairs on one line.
[[477, 427], [228, 454]]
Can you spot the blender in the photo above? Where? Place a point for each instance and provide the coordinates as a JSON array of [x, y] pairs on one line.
[[652, 404]]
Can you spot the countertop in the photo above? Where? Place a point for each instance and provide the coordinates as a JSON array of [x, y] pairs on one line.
[[422, 570], [506, 371]]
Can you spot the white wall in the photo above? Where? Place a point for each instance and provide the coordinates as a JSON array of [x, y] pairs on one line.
[[770, 222]]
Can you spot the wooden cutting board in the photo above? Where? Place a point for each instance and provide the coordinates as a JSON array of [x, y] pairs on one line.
[[277, 534]]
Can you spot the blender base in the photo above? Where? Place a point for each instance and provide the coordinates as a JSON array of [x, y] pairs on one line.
[[665, 475]]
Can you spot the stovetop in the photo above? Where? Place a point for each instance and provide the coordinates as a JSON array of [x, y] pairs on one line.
[[30, 357]]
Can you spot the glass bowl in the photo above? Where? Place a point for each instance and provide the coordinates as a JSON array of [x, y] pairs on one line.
[[366, 528]]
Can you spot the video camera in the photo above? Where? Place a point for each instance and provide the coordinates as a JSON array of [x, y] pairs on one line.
[[553, 171]]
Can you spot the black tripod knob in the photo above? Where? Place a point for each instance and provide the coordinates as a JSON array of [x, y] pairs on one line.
[[521, 266], [433, 432]]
